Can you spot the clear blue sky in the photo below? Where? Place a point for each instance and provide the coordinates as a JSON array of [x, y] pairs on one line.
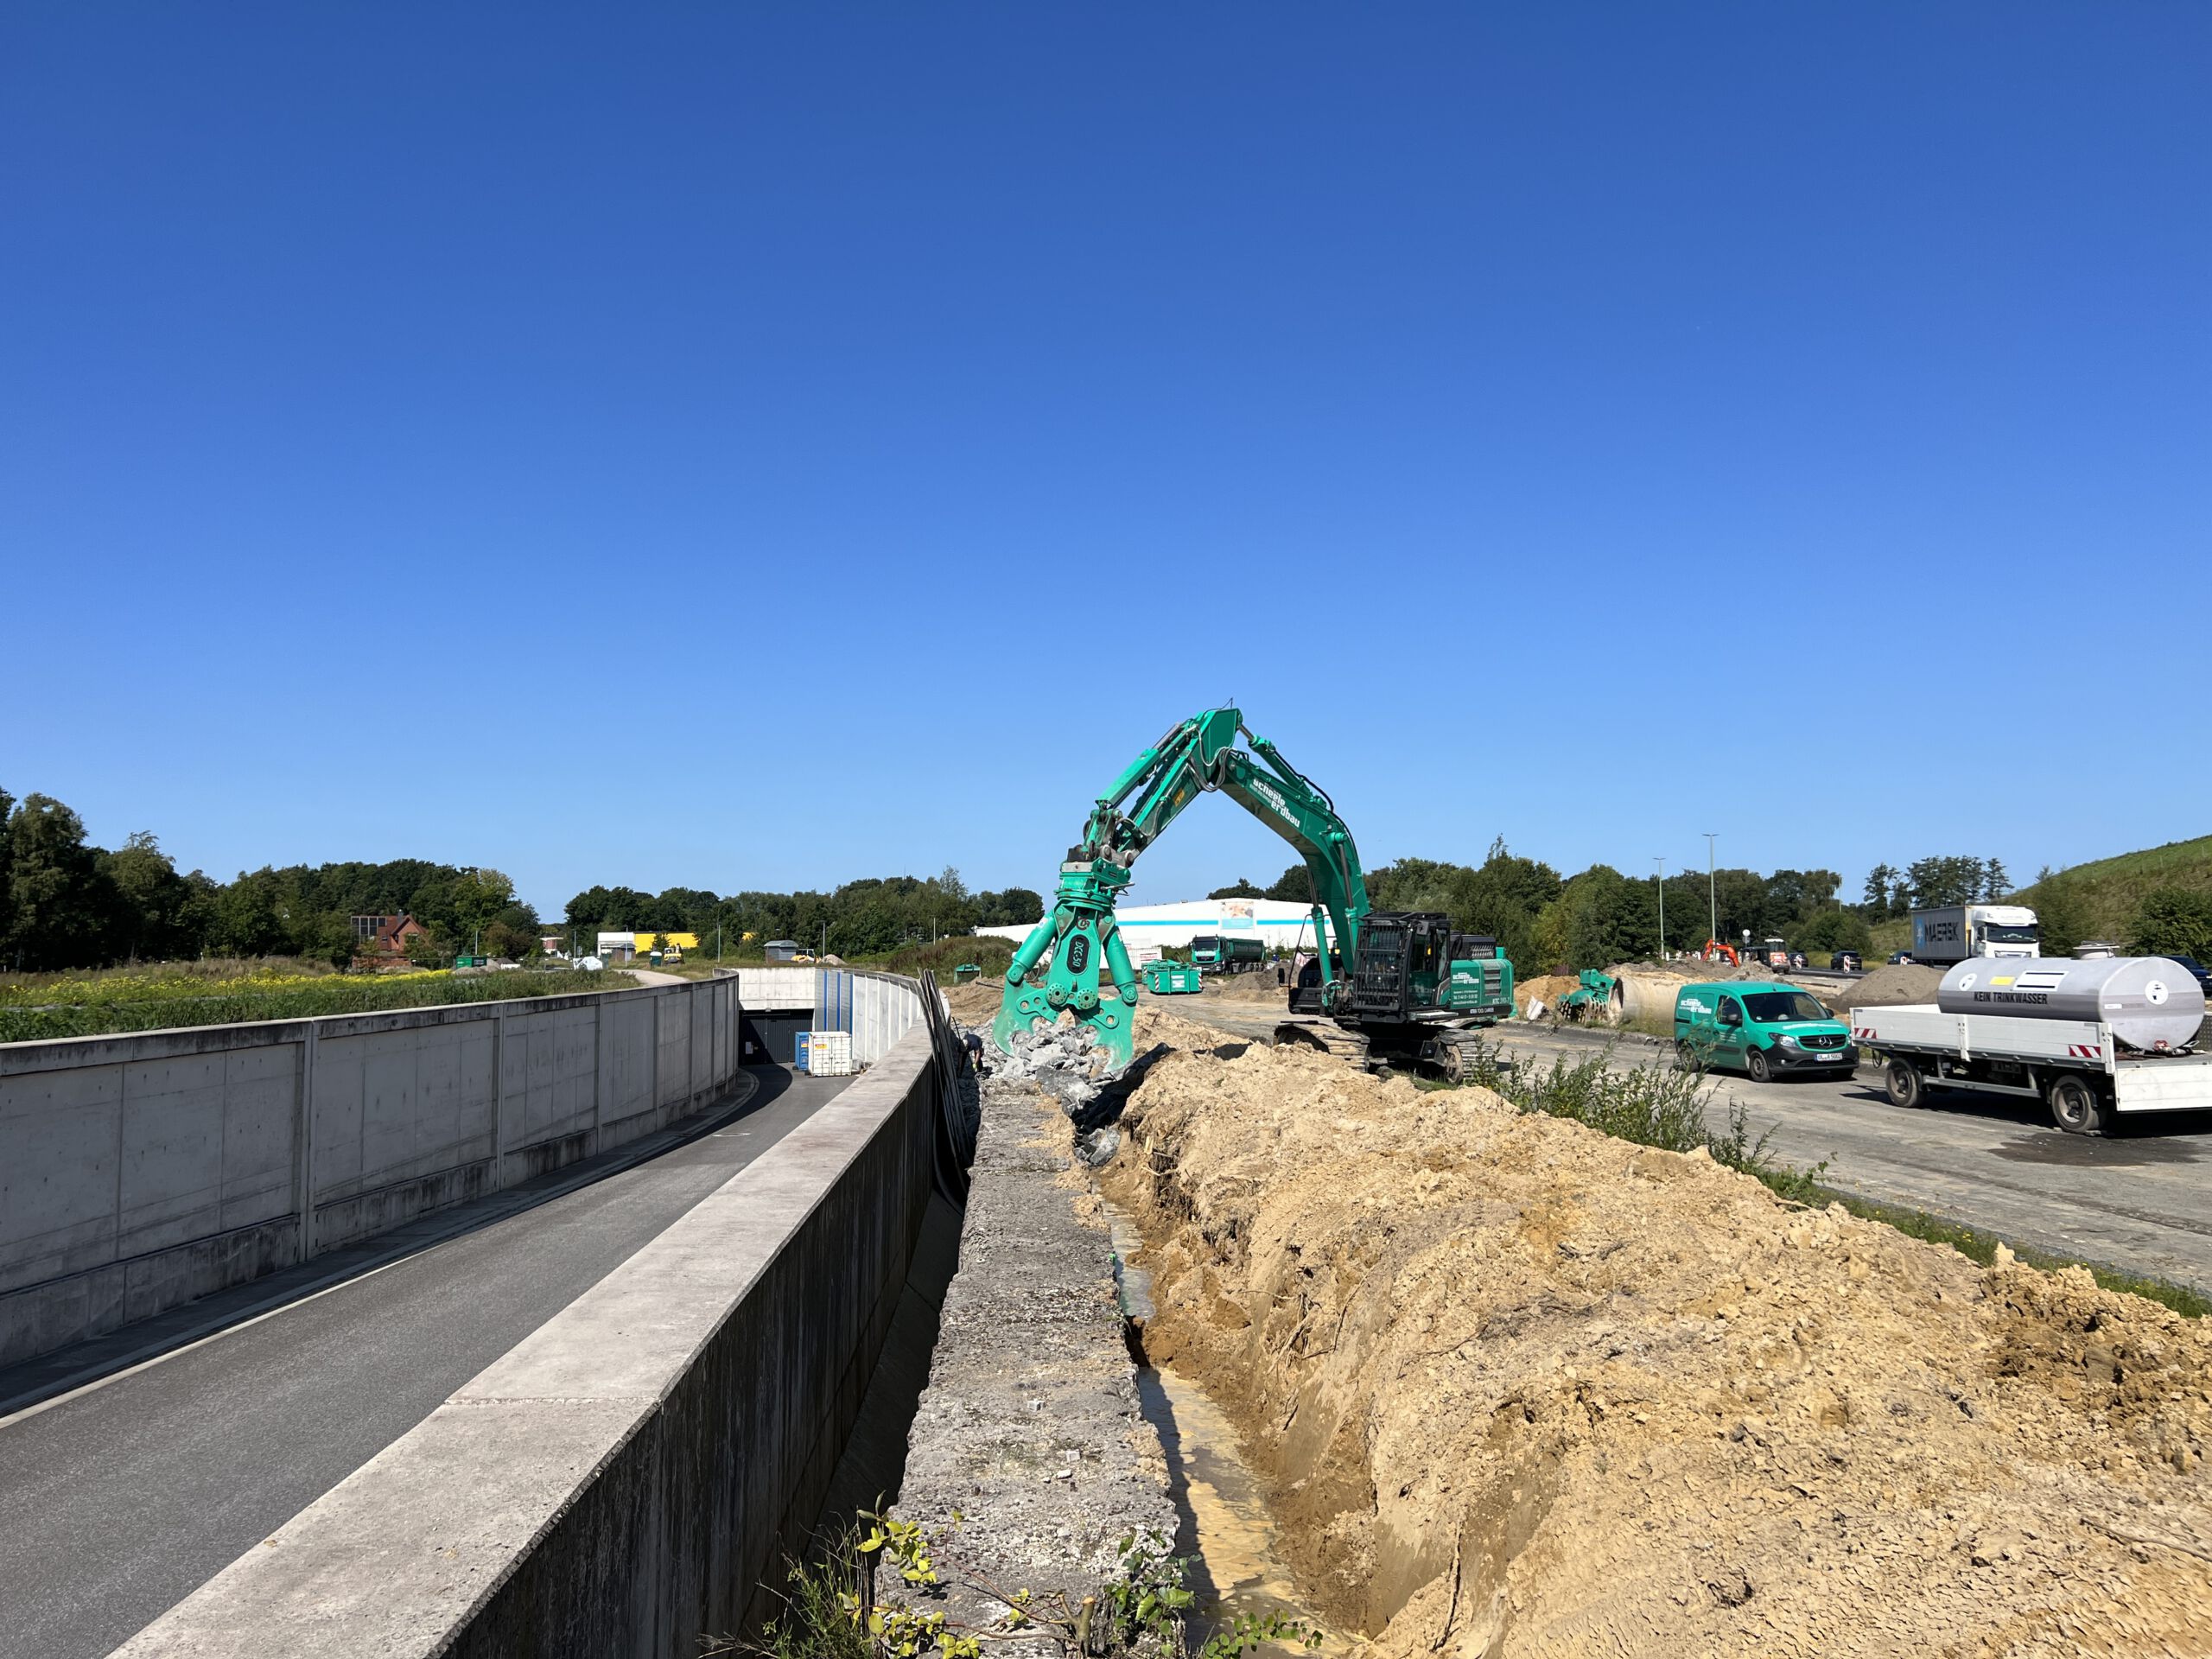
[[751, 445]]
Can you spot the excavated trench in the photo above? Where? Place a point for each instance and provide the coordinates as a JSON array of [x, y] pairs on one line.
[[1460, 1382], [1227, 1527], [1516, 1387]]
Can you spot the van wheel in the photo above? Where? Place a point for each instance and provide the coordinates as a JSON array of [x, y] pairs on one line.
[[1900, 1082], [2074, 1106], [1756, 1064]]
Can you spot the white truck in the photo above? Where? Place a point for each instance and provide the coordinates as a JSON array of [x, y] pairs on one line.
[[1949, 933], [2088, 1039]]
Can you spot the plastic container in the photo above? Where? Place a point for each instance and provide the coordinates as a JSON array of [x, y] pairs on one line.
[[802, 1044]]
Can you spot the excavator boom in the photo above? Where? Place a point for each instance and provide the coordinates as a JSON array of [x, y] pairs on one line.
[[1079, 936]]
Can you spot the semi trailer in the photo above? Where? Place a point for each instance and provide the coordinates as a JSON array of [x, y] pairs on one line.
[[1949, 933], [2089, 1039]]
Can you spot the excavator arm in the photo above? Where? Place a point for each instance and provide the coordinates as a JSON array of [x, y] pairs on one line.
[[1079, 934]]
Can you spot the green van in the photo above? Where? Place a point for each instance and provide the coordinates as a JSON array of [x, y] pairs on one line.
[[1762, 1028]]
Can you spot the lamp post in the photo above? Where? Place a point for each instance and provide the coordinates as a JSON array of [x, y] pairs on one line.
[[1661, 881], [1712, 892]]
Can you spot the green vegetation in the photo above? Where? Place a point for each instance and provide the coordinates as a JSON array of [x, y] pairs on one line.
[[37, 1007], [832, 1607], [2158, 900], [1654, 1105], [993, 956], [68, 904], [867, 919]]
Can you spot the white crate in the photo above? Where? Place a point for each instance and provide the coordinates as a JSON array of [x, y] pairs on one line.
[[829, 1053]]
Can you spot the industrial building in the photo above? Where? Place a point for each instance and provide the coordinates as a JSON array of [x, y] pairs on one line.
[[1277, 923]]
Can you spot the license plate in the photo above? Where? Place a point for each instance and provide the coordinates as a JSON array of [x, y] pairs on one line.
[[1827, 1056]]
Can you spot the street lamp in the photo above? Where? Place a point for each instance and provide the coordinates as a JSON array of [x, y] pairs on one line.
[[1660, 879], [1712, 892]]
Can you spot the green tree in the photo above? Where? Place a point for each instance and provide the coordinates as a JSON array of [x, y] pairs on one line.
[[478, 896], [1949, 881], [1880, 881], [1243, 889], [59, 908], [1995, 883], [153, 902], [1832, 929], [2173, 922]]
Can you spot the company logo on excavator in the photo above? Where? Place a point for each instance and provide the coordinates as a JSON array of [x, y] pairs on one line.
[[1268, 793], [1079, 953]]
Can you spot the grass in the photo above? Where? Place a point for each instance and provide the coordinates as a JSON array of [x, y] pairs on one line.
[[1657, 1107], [37, 1008], [991, 955]]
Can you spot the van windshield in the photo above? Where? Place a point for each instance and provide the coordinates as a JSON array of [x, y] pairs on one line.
[[1772, 1007]]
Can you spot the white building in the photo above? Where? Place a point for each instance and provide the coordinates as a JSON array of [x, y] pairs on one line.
[[1276, 923]]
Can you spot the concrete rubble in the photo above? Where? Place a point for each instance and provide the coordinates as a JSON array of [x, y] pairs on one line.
[[1029, 1459]]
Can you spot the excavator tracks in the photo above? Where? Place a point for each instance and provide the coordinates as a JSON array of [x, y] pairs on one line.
[[1325, 1034]]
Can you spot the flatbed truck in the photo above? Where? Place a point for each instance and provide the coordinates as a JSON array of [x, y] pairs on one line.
[[2076, 1068]]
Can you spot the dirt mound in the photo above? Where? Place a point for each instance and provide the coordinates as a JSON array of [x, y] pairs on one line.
[[1545, 988], [976, 1003], [1258, 986], [1523, 1390], [1887, 987]]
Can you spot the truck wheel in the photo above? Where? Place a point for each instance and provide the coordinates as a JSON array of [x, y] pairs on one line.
[[1756, 1064], [1900, 1082], [2074, 1106]]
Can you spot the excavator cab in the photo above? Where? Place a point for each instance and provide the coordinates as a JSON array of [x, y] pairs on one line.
[[1403, 958]]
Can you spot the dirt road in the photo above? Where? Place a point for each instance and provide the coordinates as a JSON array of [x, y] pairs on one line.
[[2140, 1200]]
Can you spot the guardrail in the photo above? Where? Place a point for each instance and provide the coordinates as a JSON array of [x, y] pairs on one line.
[[138, 1171]]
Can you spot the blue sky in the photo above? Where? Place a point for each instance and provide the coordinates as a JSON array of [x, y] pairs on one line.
[[759, 447]]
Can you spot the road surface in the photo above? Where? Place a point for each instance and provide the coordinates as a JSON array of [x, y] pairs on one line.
[[2139, 1200], [126, 1497]]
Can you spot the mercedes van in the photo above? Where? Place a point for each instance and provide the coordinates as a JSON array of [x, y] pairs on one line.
[[1761, 1028]]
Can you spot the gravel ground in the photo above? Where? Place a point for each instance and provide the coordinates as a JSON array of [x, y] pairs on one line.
[[1029, 1429]]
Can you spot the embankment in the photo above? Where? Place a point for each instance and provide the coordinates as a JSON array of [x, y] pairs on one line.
[[1524, 1389]]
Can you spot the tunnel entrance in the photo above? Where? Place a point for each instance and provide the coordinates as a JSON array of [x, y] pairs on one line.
[[767, 1038]]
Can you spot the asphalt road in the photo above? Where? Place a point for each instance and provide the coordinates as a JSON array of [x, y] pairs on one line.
[[2139, 1199], [123, 1498]]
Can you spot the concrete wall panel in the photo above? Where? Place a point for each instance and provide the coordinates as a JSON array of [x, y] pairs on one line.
[[60, 1137], [139, 1172]]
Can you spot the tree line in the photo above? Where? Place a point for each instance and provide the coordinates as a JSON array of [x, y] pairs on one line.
[[66, 903], [861, 919], [1546, 922]]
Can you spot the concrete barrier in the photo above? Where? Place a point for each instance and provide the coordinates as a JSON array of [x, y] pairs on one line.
[[139, 1172], [619, 1483]]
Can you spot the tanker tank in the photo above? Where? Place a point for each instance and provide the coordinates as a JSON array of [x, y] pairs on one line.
[[2150, 1003]]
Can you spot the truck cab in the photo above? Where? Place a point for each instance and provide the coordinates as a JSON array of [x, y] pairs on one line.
[[1762, 1028]]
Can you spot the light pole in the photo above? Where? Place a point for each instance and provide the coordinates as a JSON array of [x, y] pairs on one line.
[[1660, 879], [1712, 892]]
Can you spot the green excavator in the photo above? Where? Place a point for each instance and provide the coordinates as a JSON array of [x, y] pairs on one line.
[[1394, 987]]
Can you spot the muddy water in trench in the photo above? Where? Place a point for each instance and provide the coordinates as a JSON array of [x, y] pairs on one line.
[[1225, 1523]]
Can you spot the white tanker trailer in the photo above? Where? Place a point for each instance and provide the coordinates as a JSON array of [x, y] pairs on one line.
[[2089, 1038]]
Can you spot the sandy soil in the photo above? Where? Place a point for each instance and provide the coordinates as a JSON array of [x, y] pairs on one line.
[[1523, 1389]]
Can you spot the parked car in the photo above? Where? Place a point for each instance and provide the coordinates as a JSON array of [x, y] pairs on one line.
[[2203, 974], [1760, 1028], [1844, 962]]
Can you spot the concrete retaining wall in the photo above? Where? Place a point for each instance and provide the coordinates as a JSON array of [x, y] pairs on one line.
[[619, 1483], [140, 1172]]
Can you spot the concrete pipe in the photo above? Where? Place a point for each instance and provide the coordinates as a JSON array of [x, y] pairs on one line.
[[1647, 997]]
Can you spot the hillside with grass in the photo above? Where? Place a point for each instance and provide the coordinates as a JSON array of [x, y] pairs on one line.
[[2116, 899]]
